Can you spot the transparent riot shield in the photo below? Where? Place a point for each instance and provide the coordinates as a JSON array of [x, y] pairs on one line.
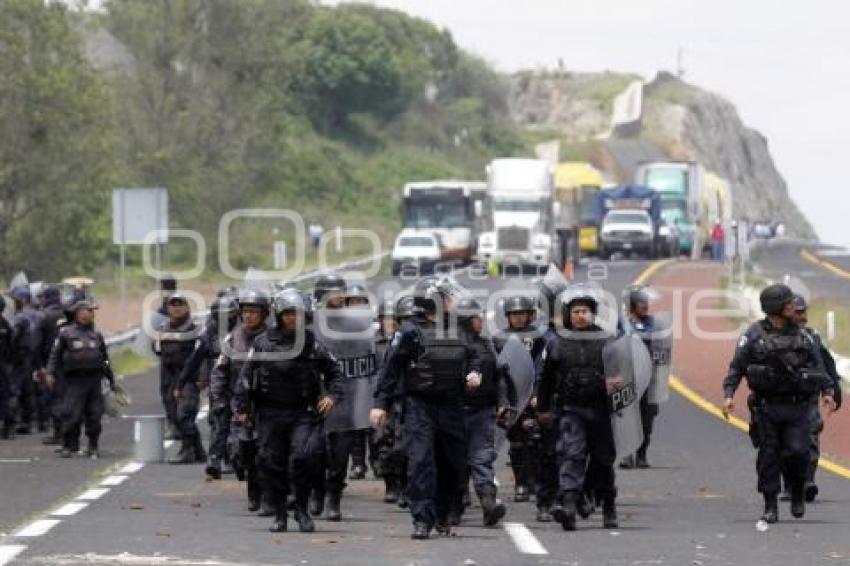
[[628, 371], [349, 335], [655, 329], [520, 366]]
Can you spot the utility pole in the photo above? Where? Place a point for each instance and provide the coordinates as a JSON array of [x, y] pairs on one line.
[[680, 68]]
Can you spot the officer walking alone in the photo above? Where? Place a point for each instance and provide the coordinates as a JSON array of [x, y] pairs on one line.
[[785, 372]]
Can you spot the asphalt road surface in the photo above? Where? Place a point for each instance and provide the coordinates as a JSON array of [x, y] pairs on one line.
[[696, 506]]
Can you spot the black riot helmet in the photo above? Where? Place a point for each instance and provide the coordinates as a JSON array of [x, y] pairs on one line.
[[287, 300], [467, 308], [405, 307], [356, 293], [518, 303], [79, 305], [386, 309], [224, 304], [426, 292], [177, 298], [637, 295], [579, 294], [774, 297], [253, 298], [800, 304], [326, 283]]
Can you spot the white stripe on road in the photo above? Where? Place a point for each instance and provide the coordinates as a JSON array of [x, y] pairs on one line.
[[131, 468], [69, 509], [114, 480], [8, 552], [93, 494], [37, 528], [524, 540], [16, 461]]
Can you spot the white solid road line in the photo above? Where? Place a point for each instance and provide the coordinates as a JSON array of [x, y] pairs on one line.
[[114, 480], [524, 540], [131, 468], [37, 528], [69, 509], [8, 552], [92, 494]]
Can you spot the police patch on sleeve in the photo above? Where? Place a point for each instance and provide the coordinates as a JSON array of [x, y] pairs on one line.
[[742, 341]]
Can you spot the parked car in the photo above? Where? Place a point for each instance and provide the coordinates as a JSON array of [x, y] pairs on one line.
[[416, 248]]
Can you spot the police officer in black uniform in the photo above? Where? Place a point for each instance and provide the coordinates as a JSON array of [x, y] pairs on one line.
[[222, 319], [282, 391], [6, 335], [801, 318], [483, 406], [27, 357], [175, 342], [785, 371], [80, 357], [52, 393], [392, 454], [643, 323], [435, 367], [574, 386], [531, 446], [241, 438]]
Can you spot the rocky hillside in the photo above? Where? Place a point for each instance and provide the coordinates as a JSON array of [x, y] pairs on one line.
[[682, 120]]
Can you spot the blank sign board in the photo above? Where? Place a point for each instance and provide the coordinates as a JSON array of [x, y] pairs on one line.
[[138, 212]]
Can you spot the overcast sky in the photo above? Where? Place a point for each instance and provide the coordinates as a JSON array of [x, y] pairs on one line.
[[786, 68]]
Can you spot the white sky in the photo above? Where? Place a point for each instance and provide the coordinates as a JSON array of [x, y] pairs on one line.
[[786, 68]]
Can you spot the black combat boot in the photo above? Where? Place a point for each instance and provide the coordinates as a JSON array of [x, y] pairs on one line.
[[811, 492], [771, 508], [492, 509], [544, 514], [255, 497], [443, 528], [185, 456], [565, 512], [200, 453], [391, 491], [92, 450], [24, 428], [268, 507], [8, 432], [609, 513], [334, 514], [302, 515], [640, 459], [317, 502], [584, 505], [798, 501], [280, 518], [421, 531], [213, 469]]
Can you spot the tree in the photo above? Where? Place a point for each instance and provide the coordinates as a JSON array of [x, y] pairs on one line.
[[56, 147]]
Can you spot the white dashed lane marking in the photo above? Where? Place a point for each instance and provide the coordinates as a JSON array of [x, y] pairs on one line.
[[37, 528], [131, 468], [92, 494], [524, 540], [69, 509], [114, 480], [8, 552]]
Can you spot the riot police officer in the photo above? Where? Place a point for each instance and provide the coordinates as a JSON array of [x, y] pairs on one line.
[[483, 406], [643, 323], [222, 319], [573, 384], [281, 391], [253, 312], [52, 393], [356, 295], [784, 370], [27, 357], [434, 367], [6, 336], [175, 342], [80, 357], [529, 459], [801, 318]]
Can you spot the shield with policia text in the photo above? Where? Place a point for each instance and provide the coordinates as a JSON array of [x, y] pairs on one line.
[[515, 357], [655, 329], [628, 370], [349, 335]]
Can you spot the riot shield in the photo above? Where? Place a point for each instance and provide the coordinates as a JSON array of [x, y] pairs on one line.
[[349, 335], [627, 361], [660, 350], [515, 356]]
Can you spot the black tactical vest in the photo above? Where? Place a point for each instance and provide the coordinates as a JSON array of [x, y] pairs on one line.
[[581, 372], [487, 393], [783, 364], [288, 382], [83, 350], [177, 344], [438, 368]]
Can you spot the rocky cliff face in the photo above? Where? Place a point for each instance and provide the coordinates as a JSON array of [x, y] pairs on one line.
[[684, 121]]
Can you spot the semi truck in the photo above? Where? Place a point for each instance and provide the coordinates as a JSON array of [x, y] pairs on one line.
[[450, 209], [680, 186], [520, 198], [576, 187]]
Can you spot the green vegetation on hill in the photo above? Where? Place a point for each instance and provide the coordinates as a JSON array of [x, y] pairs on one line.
[[256, 103]]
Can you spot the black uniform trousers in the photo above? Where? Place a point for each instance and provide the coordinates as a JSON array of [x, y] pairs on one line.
[[83, 404], [783, 429], [284, 450], [585, 447]]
